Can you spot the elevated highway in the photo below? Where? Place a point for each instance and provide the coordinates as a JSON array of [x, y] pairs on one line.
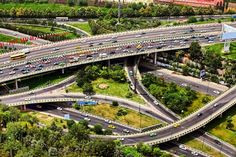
[[117, 45], [164, 134]]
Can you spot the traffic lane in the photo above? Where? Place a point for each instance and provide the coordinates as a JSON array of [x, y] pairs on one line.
[[74, 43], [148, 98], [222, 147], [33, 94], [51, 109], [193, 85], [123, 37], [186, 124], [174, 148], [48, 65], [168, 42]]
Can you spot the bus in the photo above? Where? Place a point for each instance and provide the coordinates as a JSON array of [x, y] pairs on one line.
[[18, 56]]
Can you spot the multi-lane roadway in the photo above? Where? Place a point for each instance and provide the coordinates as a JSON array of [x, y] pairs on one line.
[[85, 50]]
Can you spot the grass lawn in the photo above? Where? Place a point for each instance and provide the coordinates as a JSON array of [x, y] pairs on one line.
[[218, 48], [132, 118], [218, 127], [82, 25], [193, 143], [46, 119], [6, 38], [48, 30], [43, 81], [213, 21], [197, 104], [114, 89]]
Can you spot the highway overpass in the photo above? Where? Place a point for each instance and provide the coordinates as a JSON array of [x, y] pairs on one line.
[[117, 45], [164, 134]]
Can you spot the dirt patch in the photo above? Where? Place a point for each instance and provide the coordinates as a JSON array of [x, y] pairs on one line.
[[103, 86]]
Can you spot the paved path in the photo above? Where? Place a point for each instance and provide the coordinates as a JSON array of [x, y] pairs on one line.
[[21, 35]]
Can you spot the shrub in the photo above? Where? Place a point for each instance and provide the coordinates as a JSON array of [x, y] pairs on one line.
[[115, 103]]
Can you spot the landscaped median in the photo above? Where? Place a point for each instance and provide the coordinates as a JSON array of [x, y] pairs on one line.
[[120, 114], [224, 127], [196, 144], [104, 80]]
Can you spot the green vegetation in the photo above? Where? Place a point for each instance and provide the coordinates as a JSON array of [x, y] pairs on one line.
[[6, 38], [108, 24], [193, 143], [201, 100], [121, 114], [49, 10], [83, 26], [46, 119], [48, 33], [104, 80], [196, 59], [224, 127], [114, 89], [218, 49], [44, 80], [22, 135], [181, 100]]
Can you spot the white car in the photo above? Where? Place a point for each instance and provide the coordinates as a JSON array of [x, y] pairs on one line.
[[182, 147], [12, 73], [125, 130], [107, 121], [184, 84], [155, 102], [215, 105], [87, 119], [216, 92], [194, 153], [27, 99], [59, 108], [121, 139]]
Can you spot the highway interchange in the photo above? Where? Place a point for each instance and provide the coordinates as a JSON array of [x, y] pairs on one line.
[[114, 49], [117, 45]]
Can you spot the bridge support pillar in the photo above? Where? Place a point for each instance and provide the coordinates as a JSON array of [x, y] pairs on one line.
[[16, 84], [63, 71], [23, 107], [109, 63], [155, 58]]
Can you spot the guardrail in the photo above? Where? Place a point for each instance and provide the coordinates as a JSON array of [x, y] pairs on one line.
[[114, 56], [187, 130]]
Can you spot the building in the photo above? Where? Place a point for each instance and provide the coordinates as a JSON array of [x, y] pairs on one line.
[[197, 3]]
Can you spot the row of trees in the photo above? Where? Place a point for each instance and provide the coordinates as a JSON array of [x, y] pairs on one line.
[[131, 10], [177, 99], [37, 33], [91, 72], [109, 24], [21, 136]]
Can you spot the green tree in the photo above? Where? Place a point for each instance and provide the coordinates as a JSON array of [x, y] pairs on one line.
[[229, 124], [195, 51], [88, 88], [192, 19], [115, 103], [98, 129], [102, 148]]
